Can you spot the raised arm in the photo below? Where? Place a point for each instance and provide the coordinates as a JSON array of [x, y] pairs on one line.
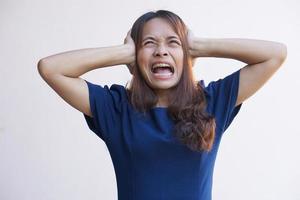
[[263, 59], [61, 71]]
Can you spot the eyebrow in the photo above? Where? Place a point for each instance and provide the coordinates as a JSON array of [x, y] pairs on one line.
[[153, 38]]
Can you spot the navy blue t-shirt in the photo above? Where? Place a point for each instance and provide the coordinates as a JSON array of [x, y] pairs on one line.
[[150, 164]]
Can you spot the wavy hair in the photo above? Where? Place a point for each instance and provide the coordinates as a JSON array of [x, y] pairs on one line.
[[193, 126]]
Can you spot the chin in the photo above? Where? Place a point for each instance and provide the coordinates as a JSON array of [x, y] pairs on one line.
[[156, 84], [163, 86]]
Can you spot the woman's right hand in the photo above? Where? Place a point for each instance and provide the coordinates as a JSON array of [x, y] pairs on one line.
[[131, 46]]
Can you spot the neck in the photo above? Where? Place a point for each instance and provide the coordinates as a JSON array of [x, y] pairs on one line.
[[162, 98]]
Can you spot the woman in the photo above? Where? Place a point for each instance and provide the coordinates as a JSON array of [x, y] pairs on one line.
[[163, 131]]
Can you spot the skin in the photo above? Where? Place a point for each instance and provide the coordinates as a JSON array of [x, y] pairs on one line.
[[62, 71], [159, 47], [263, 58], [160, 43]]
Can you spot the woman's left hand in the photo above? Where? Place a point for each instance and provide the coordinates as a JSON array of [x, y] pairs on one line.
[[130, 43], [191, 38]]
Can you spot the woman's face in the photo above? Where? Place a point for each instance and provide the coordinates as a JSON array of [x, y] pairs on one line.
[[160, 57]]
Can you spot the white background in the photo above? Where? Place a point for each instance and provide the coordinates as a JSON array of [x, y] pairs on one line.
[[47, 151]]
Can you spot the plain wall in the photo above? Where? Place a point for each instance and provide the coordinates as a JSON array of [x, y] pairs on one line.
[[47, 151]]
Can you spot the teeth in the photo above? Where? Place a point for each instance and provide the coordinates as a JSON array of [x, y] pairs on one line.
[[162, 65]]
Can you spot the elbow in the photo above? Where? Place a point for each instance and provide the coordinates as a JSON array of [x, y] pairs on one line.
[[40, 64], [282, 53], [279, 55], [43, 68]]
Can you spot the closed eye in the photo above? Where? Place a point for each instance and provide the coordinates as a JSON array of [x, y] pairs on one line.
[[175, 41], [148, 42]]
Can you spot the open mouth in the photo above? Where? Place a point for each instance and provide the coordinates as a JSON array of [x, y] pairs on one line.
[[163, 69]]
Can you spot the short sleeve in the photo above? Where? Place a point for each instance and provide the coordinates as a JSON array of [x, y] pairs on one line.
[[223, 95], [106, 106]]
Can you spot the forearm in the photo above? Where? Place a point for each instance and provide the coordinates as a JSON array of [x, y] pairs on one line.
[[249, 51], [77, 62]]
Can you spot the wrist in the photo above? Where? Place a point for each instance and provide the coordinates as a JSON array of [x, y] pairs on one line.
[[129, 53], [200, 47]]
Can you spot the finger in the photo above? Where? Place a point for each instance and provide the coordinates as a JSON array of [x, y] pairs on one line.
[[128, 34], [130, 69]]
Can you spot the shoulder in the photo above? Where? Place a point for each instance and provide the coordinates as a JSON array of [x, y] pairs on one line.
[[225, 84], [221, 96], [114, 89], [114, 95], [208, 90]]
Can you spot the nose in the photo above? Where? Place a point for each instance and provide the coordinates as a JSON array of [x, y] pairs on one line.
[[161, 50]]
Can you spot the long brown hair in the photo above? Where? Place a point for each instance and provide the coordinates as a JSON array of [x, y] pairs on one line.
[[193, 126]]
